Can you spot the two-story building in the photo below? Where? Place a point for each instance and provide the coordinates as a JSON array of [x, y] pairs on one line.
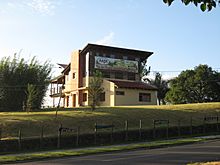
[[121, 70]]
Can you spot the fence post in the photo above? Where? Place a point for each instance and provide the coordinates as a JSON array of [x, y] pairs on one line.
[[154, 130], [191, 125], [0, 133], [95, 134], [179, 127], [77, 136], [204, 125], [19, 139], [41, 136], [167, 130], [59, 136], [140, 127], [126, 130], [112, 130]]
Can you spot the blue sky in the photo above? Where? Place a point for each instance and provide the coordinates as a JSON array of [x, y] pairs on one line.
[[181, 37]]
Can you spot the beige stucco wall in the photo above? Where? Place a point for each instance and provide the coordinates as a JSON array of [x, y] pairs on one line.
[[109, 94], [131, 97], [70, 83], [109, 89]]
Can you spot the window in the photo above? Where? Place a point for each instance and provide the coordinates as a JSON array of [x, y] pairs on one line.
[[144, 97], [84, 97], [131, 76], [120, 93], [112, 56], [131, 58], [67, 101], [125, 57], [102, 96], [74, 75], [118, 75], [106, 74]]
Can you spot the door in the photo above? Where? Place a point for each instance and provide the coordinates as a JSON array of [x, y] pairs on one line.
[[74, 100]]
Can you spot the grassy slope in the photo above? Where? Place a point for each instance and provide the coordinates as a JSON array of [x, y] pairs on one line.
[[31, 123]]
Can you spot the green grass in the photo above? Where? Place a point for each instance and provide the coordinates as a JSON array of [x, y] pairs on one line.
[[31, 123], [65, 153], [207, 163]]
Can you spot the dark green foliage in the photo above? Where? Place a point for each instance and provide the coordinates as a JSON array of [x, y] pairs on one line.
[[144, 71], [95, 89], [31, 95], [204, 4], [15, 75], [162, 86], [195, 86]]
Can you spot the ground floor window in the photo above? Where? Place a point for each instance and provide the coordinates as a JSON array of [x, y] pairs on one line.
[[144, 97], [84, 97], [102, 96], [67, 101], [120, 93]]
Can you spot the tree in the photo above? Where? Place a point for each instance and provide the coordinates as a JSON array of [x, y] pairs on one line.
[[31, 94], [144, 71], [204, 4], [95, 89], [195, 86], [162, 86], [16, 74]]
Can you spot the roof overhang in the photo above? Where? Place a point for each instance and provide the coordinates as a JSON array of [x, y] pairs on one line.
[[139, 53], [133, 85], [58, 79], [66, 70]]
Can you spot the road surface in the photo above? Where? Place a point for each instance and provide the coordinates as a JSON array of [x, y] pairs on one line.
[[178, 155]]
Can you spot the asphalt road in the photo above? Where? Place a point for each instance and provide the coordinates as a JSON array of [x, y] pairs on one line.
[[179, 155]]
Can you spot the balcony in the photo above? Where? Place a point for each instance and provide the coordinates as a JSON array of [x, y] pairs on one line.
[[56, 91]]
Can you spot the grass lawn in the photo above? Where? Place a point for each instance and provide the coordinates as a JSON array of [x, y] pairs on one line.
[[207, 163], [31, 123]]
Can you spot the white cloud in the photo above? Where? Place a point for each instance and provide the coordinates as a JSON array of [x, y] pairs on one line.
[[106, 40], [42, 6]]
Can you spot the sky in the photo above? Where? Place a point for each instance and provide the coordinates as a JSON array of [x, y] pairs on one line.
[[181, 37]]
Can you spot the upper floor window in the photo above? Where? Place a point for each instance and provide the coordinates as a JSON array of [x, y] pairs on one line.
[[106, 74], [112, 56], [74, 75], [131, 58], [125, 57], [131, 76], [118, 75]]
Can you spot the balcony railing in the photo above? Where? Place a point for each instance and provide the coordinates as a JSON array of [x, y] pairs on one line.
[[56, 90]]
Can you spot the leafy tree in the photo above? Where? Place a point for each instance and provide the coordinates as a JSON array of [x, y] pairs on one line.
[[16, 74], [31, 94], [162, 86], [95, 89], [145, 71], [195, 86], [204, 4]]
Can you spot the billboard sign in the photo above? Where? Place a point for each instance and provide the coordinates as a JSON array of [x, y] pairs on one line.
[[116, 64]]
